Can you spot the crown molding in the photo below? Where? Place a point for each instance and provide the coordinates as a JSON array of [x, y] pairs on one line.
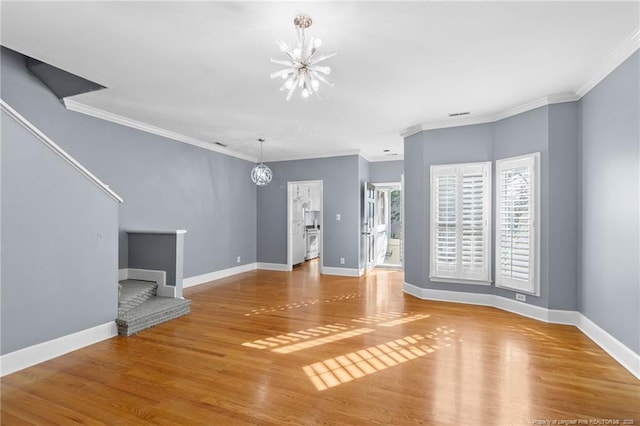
[[611, 62], [492, 118], [313, 156], [76, 106]]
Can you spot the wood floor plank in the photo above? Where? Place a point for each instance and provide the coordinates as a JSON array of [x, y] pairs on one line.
[[301, 348]]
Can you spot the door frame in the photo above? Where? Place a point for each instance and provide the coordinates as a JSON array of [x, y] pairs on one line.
[[290, 184], [386, 185]]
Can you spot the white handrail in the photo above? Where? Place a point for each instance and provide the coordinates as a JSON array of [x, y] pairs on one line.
[[55, 148]]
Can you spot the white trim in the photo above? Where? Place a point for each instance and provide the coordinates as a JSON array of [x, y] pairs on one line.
[[611, 62], [315, 155], [74, 105], [55, 148], [157, 231], [618, 350], [344, 272], [32, 355], [459, 281], [491, 118], [272, 266], [123, 274], [216, 275], [532, 285]]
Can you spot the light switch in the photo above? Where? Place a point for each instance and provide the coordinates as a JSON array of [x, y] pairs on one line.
[[338, 216]]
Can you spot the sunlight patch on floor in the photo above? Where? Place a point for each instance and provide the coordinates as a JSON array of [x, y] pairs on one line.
[[355, 365], [301, 304], [285, 339], [404, 320], [322, 341]]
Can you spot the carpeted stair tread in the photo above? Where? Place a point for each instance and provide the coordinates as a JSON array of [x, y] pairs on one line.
[[133, 293], [151, 312]]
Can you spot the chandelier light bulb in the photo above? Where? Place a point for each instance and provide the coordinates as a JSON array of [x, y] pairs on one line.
[[301, 62]]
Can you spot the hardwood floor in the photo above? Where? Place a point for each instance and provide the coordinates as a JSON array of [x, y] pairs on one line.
[[298, 348]]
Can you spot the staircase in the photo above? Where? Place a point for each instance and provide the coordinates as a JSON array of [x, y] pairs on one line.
[[139, 307]]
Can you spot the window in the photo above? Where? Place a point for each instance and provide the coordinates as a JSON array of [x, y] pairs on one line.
[[460, 223], [517, 230]]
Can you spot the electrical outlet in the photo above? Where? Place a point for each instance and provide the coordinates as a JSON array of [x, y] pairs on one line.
[[342, 260], [521, 297], [238, 259]]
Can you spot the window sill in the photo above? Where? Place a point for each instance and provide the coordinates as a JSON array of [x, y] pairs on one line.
[[459, 281]]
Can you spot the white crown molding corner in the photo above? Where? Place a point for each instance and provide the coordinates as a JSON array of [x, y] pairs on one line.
[[410, 131], [618, 351], [73, 105], [272, 266], [32, 355], [611, 62], [216, 275], [343, 272]]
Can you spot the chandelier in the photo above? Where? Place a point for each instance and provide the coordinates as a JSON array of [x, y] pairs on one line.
[[302, 69], [261, 174]]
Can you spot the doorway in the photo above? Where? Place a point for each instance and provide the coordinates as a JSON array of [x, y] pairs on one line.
[[383, 225], [304, 222]]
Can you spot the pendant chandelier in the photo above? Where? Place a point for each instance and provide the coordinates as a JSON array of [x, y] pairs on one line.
[[261, 174], [302, 69]]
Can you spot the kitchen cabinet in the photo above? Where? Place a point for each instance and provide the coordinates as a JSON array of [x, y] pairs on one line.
[[314, 197]]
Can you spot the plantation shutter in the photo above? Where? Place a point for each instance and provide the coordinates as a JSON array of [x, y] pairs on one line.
[[446, 207], [475, 207], [460, 210], [516, 228]]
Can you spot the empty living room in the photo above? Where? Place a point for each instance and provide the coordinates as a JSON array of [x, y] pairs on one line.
[[320, 213]]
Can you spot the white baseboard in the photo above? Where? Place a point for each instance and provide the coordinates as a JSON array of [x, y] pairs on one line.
[[123, 274], [32, 355], [272, 266], [344, 272], [618, 350], [216, 275]]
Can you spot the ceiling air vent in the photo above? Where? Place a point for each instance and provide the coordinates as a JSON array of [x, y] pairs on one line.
[[458, 114]]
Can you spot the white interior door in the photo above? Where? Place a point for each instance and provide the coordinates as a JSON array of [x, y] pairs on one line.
[[368, 226]]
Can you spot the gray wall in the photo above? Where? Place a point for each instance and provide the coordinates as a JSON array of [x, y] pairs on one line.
[[165, 184], [59, 245], [548, 130], [386, 171], [563, 208], [441, 146], [154, 251], [609, 269], [523, 134], [340, 195]]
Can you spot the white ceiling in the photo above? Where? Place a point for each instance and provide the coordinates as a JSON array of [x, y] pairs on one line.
[[201, 69]]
